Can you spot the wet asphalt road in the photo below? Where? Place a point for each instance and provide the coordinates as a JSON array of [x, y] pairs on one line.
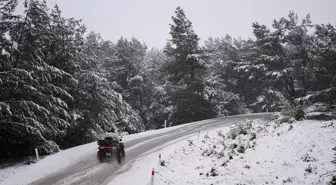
[[90, 172]]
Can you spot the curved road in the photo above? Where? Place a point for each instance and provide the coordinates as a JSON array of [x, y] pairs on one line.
[[90, 172]]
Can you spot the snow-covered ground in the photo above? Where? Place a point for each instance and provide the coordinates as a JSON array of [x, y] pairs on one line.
[[254, 153], [9, 171], [21, 174]]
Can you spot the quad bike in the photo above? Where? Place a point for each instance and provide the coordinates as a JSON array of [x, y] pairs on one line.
[[110, 149]]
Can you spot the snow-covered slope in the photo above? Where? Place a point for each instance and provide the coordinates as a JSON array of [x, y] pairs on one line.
[[11, 170], [268, 153]]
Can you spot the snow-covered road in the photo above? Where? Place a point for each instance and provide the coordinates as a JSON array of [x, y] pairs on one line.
[[81, 165]]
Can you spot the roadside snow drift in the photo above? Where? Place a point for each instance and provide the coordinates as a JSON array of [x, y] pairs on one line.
[[252, 152], [9, 171]]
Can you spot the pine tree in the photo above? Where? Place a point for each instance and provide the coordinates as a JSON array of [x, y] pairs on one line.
[[184, 70], [325, 57], [7, 21], [285, 53], [158, 110], [324, 69], [34, 96], [99, 106], [66, 42], [129, 56]]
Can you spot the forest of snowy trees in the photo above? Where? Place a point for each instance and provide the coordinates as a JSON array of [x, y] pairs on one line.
[[63, 86]]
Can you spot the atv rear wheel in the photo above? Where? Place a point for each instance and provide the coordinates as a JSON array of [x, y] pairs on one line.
[[100, 156], [120, 156]]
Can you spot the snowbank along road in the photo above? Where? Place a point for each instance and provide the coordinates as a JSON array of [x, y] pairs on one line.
[[89, 171]]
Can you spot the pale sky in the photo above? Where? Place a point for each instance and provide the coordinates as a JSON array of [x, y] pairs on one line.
[[148, 20]]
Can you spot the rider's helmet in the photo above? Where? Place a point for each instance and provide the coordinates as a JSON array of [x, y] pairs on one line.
[[112, 130]]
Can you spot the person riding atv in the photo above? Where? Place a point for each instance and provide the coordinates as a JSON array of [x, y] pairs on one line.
[[111, 137], [115, 137]]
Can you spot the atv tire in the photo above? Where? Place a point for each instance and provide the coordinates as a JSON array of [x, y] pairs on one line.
[[100, 157], [120, 155]]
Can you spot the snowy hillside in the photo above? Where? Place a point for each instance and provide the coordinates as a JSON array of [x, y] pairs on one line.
[[258, 152]]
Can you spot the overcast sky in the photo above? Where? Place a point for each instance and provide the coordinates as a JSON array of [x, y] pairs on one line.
[[148, 20]]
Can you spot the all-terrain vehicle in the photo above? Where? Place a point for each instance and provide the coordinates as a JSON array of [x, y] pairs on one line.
[[110, 149]]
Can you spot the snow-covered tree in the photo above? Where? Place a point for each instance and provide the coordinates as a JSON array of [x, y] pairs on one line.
[[285, 53], [129, 56], [228, 80], [157, 108], [66, 42], [100, 104], [324, 68], [34, 95], [325, 57], [184, 69]]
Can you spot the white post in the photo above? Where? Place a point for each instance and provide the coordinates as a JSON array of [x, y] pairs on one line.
[[159, 159], [165, 123], [198, 137], [152, 178], [37, 155]]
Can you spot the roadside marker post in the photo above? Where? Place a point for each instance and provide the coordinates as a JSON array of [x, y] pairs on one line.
[[37, 155], [152, 177], [165, 123], [160, 159], [198, 137]]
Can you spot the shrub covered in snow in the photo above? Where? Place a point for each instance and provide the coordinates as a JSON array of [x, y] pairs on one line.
[[298, 113], [226, 147], [50, 147], [257, 152], [317, 107], [321, 115], [319, 101], [290, 114], [240, 128]]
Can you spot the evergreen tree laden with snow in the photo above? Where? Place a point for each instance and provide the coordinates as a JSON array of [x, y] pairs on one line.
[[225, 87], [129, 55], [99, 103], [126, 69], [184, 70], [158, 108], [325, 57], [130, 70], [285, 53], [323, 74], [34, 95], [66, 43]]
